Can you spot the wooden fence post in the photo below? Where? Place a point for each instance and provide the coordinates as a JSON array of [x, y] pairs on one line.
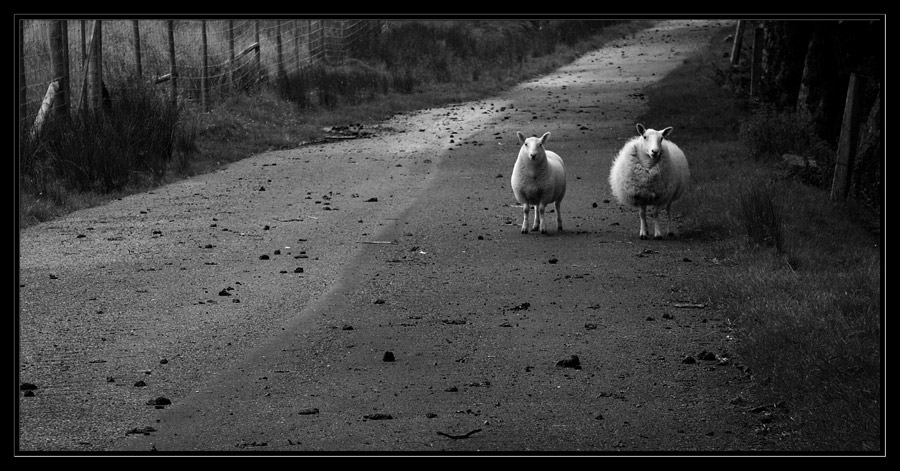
[[231, 53], [756, 65], [322, 47], [204, 77], [139, 70], [23, 93], [846, 150], [66, 64], [258, 52], [84, 53], [279, 59], [173, 73], [94, 75], [297, 43], [59, 68], [736, 44]]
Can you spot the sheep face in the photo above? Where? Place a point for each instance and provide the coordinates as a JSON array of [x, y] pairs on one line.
[[533, 147], [652, 142]]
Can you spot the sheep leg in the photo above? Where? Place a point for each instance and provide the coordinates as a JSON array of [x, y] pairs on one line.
[[669, 230], [539, 218], [643, 214], [525, 209], [558, 217], [657, 234]]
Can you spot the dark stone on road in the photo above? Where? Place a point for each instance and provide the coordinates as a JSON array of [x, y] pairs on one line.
[[378, 416], [706, 356], [159, 401], [572, 362], [143, 430]]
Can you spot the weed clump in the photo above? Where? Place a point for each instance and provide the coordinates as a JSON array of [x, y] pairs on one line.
[[139, 132], [769, 134], [761, 217]]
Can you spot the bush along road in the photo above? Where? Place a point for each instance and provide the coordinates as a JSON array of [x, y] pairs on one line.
[[376, 295]]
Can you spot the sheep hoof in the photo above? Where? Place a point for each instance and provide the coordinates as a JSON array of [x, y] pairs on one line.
[[673, 235], [643, 237]]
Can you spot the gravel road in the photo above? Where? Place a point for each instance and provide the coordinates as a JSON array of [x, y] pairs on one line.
[[375, 295]]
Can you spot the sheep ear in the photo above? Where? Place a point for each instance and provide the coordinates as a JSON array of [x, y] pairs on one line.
[[640, 129], [665, 132], [545, 137], [521, 137]]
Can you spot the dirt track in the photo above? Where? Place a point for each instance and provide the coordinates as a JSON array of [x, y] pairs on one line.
[[261, 300]]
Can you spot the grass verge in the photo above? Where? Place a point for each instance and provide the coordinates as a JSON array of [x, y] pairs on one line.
[[803, 288]]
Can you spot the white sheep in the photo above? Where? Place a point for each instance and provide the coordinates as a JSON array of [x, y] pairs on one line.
[[650, 171], [538, 179]]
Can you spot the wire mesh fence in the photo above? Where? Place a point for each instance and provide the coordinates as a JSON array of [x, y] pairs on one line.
[[201, 61]]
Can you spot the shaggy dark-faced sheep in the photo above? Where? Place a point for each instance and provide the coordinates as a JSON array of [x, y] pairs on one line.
[[538, 179], [650, 171]]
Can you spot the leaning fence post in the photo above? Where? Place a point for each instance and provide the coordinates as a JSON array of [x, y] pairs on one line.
[[736, 44], [756, 65], [846, 150], [47, 106], [172, 72]]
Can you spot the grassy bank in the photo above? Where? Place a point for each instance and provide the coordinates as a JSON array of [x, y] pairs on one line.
[[139, 143], [803, 285]]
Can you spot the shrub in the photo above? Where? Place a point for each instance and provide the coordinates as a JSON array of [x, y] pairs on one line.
[[768, 134]]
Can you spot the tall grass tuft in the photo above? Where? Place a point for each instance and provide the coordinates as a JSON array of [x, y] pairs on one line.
[[124, 144], [761, 218]]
